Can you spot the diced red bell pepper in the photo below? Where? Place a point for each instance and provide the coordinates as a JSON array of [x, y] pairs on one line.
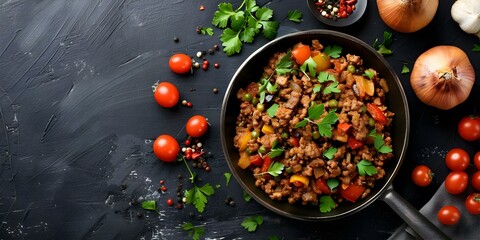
[[293, 141], [354, 143], [256, 160], [343, 128], [352, 192], [376, 113], [322, 186], [266, 163]]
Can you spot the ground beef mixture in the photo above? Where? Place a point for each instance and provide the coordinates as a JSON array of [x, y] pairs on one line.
[[315, 127]]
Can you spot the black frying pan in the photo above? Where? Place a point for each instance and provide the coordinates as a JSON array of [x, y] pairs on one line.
[[252, 69]]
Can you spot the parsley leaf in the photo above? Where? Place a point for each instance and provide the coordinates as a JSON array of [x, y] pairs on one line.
[[325, 77], [231, 41], [378, 142], [195, 232], [275, 168], [150, 205], [369, 73], [294, 16], [197, 196], [283, 66], [326, 204], [382, 48], [252, 223], [315, 111], [228, 176], [333, 51], [405, 69], [366, 167], [317, 88], [206, 31], [275, 152], [332, 183], [331, 88], [302, 123], [476, 47], [325, 126], [272, 110], [246, 196], [221, 17], [330, 152], [311, 65]]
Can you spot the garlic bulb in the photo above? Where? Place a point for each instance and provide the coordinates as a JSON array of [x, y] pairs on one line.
[[467, 14]]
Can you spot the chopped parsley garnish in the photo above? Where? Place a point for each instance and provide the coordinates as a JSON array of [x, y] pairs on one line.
[[325, 77], [150, 205], [324, 126], [476, 47], [206, 31], [252, 223], [369, 73], [275, 152], [366, 167], [331, 88], [332, 183], [326, 204], [243, 24], [379, 143], [330, 152], [272, 110], [333, 51], [405, 69], [198, 196], [194, 232], [317, 88], [382, 48], [295, 16], [275, 169], [284, 65], [246, 196], [309, 65], [228, 176]]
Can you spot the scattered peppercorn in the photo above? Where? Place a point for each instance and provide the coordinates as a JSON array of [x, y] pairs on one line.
[[216, 47], [232, 203], [163, 188], [184, 102], [139, 214], [179, 206], [189, 104], [198, 29], [216, 65], [202, 8], [215, 90], [210, 51], [162, 181], [169, 202], [175, 39]]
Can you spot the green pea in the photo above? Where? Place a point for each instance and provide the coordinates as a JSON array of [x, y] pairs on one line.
[[247, 97], [260, 107], [262, 150], [255, 101], [371, 122], [249, 152], [351, 69], [315, 135], [255, 134], [284, 135], [289, 170], [332, 103], [363, 109]]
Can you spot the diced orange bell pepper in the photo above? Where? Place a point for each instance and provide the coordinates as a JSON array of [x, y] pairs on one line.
[[243, 143], [364, 86], [244, 160], [267, 129], [343, 128], [295, 179]]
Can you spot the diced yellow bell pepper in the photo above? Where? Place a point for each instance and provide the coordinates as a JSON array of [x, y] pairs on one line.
[[299, 178], [243, 143], [364, 86], [244, 160], [267, 129]]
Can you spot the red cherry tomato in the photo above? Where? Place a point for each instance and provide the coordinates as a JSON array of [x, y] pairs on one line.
[[457, 159], [301, 53], [166, 94], [476, 181], [472, 203], [476, 160], [196, 126], [352, 192], [180, 63], [166, 148], [448, 215], [456, 182], [422, 175], [469, 128]]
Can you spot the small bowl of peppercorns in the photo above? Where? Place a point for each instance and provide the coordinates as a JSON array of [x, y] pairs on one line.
[[337, 13]]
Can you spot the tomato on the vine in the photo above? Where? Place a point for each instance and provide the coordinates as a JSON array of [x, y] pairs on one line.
[[301, 53], [166, 94], [472, 203], [166, 148], [197, 126], [457, 159], [456, 182], [422, 175], [476, 160], [476, 180], [180, 63], [449, 215], [469, 128]]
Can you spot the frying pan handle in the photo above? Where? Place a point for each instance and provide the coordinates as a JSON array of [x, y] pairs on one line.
[[419, 223]]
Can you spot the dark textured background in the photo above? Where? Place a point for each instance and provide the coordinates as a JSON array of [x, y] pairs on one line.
[[78, 119]]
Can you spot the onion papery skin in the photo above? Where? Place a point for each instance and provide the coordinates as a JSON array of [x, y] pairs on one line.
[[407, 16], [442, 92]]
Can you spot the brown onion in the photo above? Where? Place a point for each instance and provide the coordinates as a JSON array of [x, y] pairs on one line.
[[443, 77], [407, 15]]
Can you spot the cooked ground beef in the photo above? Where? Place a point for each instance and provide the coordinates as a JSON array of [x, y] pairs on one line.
[[315, 132]]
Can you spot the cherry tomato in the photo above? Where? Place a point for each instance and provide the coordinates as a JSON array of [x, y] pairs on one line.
[[456, 182], [472, 203], [166, 94], [422, 175], [469, 128], [448, 215], [197, 126], [166, 148], [457, 159], [301, 53], [476, 160], [352, 192], [323, 61], [476, 181], [180, 63]]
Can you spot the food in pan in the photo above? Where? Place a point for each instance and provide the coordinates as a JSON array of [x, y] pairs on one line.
[[314, 129]]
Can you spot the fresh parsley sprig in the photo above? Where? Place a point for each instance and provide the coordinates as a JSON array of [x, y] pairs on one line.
[[405, 69], [150, 205], [275, 169], [295, 16], [326, 204], [366, 168], [193, 231], [243, 24], [330, 152], [382, 47], [325, 125], [333, 51], [379, 143], [197, 195], [251, 223]]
